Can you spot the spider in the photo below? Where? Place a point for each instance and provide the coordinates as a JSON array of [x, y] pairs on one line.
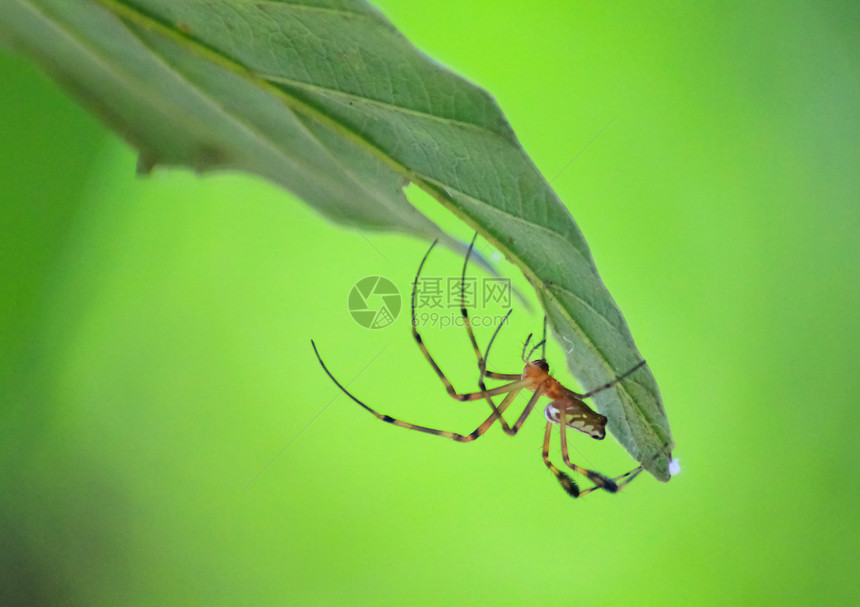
[[567, 409]]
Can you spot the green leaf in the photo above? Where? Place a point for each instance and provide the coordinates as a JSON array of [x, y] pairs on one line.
[[326, 98]]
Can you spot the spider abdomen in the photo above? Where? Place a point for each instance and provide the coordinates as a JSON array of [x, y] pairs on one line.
[[577, 415]]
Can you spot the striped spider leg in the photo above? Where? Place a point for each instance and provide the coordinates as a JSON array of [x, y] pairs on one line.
[[567, 408], [482, 363], [516, 381]]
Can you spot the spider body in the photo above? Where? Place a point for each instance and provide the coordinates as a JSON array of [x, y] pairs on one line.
[[578, 415]]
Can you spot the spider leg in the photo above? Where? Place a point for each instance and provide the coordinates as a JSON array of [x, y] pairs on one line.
[[611, 383], [567, 483], [620, 481], [493, 375], [529, 406], [526, 345], [600, 481], [543, 340], [511, 389], [541, 344], [483, 363], [515, 390], [449, 387], [482, 359], [612, 485]]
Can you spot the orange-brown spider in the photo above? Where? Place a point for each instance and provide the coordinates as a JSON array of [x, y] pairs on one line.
[[567, 408]]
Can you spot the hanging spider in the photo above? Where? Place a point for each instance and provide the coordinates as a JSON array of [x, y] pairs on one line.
[[567, 409]]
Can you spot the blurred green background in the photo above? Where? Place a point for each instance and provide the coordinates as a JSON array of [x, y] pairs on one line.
[[167, 437]]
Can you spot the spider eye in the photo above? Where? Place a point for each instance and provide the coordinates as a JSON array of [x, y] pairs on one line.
[[541, 364]]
